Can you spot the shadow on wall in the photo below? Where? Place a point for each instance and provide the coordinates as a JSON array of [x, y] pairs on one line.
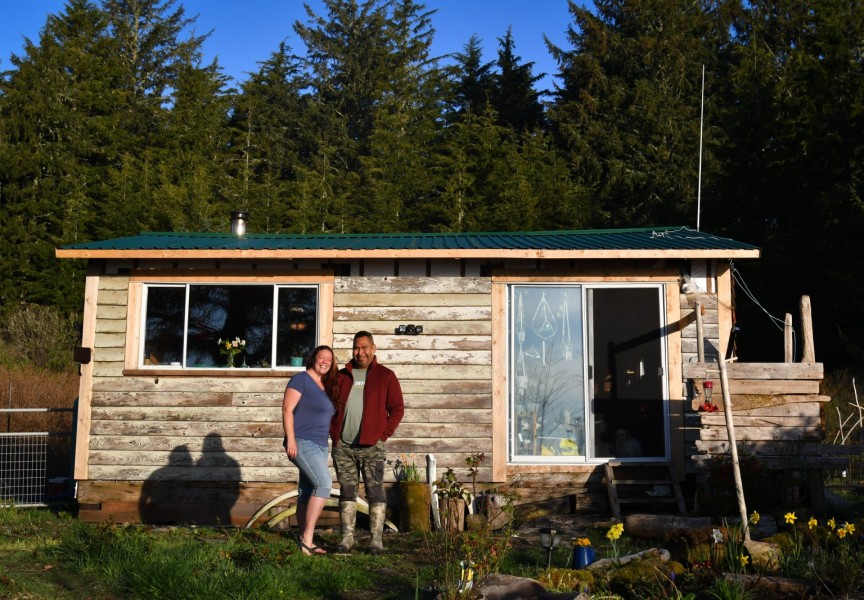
[[186, 491]]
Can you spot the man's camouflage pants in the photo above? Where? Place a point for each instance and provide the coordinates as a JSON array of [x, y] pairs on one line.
[[351, 462]]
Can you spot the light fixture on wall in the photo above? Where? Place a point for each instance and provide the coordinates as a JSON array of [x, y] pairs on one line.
[[409, 330]]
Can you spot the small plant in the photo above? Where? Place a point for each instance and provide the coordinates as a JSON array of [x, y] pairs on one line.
[[724, 589], [614, 535], [473, 461], [405, 468]]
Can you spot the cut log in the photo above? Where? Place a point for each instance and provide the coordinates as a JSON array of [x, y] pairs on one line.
[[661, 527]]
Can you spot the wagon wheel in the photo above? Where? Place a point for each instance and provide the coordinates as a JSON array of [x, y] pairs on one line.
[[362, 506]]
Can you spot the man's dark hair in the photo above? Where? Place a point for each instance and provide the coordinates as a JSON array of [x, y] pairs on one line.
[[361, 334]]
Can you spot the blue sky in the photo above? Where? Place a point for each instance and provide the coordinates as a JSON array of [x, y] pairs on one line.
[[245, 33]]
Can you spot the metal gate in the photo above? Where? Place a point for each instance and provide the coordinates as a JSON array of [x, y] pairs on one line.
[[36, 467]]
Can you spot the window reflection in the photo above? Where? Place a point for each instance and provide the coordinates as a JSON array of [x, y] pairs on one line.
[[227, 312], [547, 398]]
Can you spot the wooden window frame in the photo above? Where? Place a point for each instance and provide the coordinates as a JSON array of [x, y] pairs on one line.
[[323, 279]]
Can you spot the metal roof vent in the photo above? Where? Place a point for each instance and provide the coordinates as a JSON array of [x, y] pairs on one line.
[[238, 222]]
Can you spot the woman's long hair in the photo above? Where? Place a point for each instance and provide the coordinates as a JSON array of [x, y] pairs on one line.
[[330, 379]]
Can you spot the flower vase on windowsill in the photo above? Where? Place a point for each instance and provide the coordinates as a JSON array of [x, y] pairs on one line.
[[231, 348]]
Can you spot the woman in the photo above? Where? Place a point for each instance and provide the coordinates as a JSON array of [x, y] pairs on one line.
[[306, 412]]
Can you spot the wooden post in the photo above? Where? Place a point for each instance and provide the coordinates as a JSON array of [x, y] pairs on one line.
[[733, 446], [700, 334], [807, 331], [787, 340]]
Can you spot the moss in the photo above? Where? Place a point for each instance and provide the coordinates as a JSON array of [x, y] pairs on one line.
[[567, 580]]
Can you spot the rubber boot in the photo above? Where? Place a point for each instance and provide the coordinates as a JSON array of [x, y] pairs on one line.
[[347, 518], [377, 515]]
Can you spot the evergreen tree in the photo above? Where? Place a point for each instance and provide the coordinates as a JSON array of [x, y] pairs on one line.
[[270, 137], [629, 104], [795, 169], [515, 98], [473, 80], [366, 64], [58, 114]]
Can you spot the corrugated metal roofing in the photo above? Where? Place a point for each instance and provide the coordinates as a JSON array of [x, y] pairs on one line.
[[649, 238]]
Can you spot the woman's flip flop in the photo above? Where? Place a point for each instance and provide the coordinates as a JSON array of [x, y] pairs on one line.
[[310, 550]]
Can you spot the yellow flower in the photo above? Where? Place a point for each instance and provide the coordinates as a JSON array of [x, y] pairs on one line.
[[582, 542], [790, 517], [849, 527], [615, 531], [812, 523], [743, 560], [832, 523], [841, 533], [754, 518]]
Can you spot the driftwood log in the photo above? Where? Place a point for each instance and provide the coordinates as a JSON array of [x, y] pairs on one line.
[[660, 553]]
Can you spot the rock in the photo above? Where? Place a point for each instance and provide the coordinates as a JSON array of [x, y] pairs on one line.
[[776, 588], [509, 587], [764, 556]]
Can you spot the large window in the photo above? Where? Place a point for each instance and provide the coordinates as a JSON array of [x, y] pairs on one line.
[[587, 372], [547, 391], [184, 323]]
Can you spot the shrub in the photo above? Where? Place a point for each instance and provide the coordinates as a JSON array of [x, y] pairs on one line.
[[38, 336]]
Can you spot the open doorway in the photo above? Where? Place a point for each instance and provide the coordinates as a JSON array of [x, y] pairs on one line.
[[627, 408]]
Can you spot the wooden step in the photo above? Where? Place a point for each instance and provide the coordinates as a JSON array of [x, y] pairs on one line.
[[628, 483]]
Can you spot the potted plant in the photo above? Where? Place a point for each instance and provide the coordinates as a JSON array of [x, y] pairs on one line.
[[295, 355], [415, 496], [453, 498]]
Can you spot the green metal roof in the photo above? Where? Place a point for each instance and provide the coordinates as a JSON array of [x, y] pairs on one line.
[[658, 239]]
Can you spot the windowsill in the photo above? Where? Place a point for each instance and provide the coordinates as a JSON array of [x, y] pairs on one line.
[[213, 372]]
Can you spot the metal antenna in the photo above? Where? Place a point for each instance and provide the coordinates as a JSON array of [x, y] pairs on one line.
[[699, 184]]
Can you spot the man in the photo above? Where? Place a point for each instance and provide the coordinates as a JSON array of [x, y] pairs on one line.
[[369, 408]]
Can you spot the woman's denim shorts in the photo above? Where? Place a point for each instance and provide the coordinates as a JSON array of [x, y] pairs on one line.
[[315, 479]]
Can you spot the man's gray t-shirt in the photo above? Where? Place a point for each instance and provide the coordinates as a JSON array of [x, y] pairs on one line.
[[354, 408]]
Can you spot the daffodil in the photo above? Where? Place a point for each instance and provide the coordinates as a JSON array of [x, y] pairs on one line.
[[790, 517], [832, 523], [743, 559], [754, 518], [717, 536], [812, 523], [841, 533], [849, 527]]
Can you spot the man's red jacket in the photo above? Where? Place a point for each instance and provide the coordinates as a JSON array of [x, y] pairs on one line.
[[383, 405]]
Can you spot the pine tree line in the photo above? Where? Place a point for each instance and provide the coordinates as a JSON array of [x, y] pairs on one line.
[[112, 123]]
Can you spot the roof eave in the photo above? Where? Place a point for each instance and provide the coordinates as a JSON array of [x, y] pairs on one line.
[[479, 253]]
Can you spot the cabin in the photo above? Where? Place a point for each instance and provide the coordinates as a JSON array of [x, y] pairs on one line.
[[555, 354]]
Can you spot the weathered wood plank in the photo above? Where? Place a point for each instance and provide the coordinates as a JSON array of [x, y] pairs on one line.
[[429, 327], [167, 443], [746, 434], [444, 386], [736, 370], [434, 357], [777, 448], [716, 419], [111, 326], [191, 474], [111, 312], [188, 428], [411, 314], [409, 299], [422, 342], [409, 371], [769, 404], [208, 414], [413, 285], [189, 457], [264, 385], [113, 282], [449, 401], [776, 386]]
